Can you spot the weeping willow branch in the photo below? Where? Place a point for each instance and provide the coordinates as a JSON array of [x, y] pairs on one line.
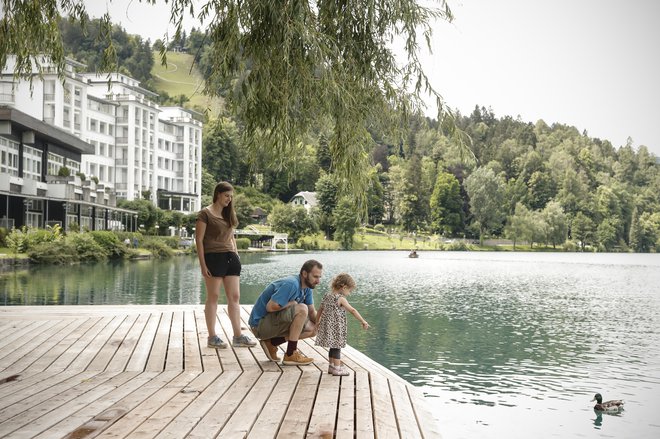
[[288, 64]]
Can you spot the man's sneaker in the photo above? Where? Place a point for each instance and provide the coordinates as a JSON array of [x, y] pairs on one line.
[[216, 342], [243, 341], [269, 350], [296, 359]]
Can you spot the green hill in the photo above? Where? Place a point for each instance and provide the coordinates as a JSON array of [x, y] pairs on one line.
[[177, 79]]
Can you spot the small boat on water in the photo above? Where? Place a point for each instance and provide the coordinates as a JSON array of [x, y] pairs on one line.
[[413, 254]]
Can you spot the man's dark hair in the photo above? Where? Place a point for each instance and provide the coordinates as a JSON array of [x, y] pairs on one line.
[[308, 265]]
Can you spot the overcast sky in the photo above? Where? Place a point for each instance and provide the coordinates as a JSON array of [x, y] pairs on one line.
[[592, 64]]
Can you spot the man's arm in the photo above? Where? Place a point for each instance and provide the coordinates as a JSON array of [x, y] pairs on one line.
[[273, 306], [311, 313]]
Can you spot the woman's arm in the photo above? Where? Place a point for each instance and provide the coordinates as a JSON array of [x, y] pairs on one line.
[[200, 230]]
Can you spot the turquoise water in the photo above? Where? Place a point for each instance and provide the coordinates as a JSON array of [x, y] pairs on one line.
[[503, 344]]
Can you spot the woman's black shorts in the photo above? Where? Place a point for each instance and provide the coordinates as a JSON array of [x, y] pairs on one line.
[[223, 264]]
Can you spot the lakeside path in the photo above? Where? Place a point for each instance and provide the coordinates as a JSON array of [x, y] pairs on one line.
[[145, 371]]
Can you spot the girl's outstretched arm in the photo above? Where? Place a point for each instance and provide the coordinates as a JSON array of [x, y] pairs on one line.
[[343, 302]]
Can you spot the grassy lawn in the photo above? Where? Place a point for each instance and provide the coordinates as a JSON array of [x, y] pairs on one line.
[[177, 79]]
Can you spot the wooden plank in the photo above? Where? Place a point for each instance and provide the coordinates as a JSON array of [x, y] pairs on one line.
[[425, 418], [96, 415], [214, 420], [364, 419], [244, 355], [188, 418], [345, 427], [67, 357], [76, 330], [44, 423], [323, 420], [297, 415], [210, 358], [19, 358], [93, 349], [405, 415], [174, 406], [39, 383], [21, 335], [192, 358], [156, 361], [140, 357], [110, 347], [158, 393], [247, 412], [227, 356], [128, 344], [28, 398], [274, 410], [174, 359], [384, 416], [32, 414]]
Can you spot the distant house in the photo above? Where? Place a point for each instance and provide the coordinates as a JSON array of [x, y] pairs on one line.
[[259, 215], [305, 199]]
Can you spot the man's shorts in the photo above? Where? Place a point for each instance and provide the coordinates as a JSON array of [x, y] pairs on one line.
[[275, 324], [223, 264]]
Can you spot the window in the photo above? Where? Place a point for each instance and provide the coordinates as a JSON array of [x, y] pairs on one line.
[[31, 163], [9, 156], [55, 163]]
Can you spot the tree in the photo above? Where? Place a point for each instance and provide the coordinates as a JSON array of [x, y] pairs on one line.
[[583, 230], [332, 62], [557, 226], [293, 220], [326, 195], [518, 227], [486, 192], [345, 219], [644, 232], [375, 198], [446, 205]]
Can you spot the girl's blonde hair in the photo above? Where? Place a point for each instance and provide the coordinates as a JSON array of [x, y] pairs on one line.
[[342, 280]]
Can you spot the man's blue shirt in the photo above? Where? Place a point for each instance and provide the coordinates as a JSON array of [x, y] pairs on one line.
[[281, 291]]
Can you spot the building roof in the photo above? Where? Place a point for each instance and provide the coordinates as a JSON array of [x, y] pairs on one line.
[[309, 197], [44, 130]]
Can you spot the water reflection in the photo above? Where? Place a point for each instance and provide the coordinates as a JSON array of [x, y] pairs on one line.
[[598, 420]]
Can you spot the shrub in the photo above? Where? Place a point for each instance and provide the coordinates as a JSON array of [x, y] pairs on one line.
[[53, 253], [110, 243], [379, 228], [171, 241], [86, 247], [3, 236], [308, 243], [460, 246], [38, 236], [157, 248], [17, 240], [242, 243]]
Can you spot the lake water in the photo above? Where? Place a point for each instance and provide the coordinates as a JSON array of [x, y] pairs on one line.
[[503, 344]]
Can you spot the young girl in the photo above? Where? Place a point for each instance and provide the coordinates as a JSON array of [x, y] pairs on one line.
[[220, 263], [331, 318]]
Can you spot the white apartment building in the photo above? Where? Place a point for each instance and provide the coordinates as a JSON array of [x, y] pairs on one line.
[[136, 149]]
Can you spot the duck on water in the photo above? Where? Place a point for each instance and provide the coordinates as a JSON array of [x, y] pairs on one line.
[[608, 406]]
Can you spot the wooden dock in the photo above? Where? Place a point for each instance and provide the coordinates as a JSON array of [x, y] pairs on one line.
[[145, 371]]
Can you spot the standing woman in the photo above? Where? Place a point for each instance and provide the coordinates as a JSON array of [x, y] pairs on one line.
[[220, 263]]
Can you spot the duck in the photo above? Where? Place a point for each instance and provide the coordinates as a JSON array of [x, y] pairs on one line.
[[607, 406]]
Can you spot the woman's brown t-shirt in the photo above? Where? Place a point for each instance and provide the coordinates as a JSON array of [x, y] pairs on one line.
[[218, 235]]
